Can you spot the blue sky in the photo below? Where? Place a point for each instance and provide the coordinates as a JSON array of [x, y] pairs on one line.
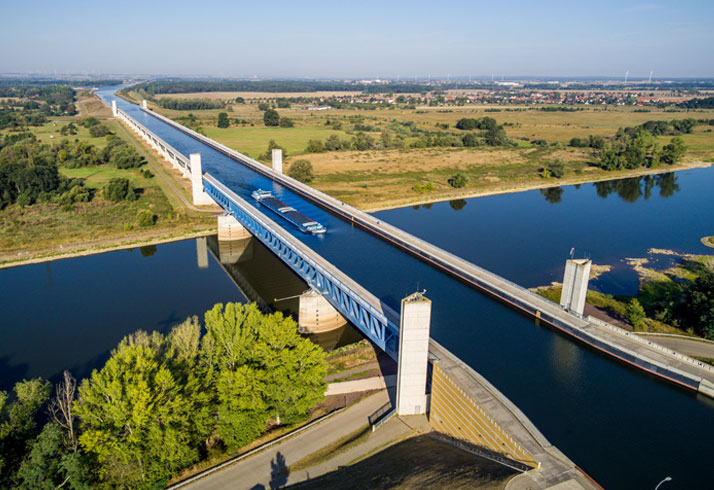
[[360, 39]]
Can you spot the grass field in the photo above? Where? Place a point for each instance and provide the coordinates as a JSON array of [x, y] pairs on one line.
[[46, 229], [385, 178], [253, 141]]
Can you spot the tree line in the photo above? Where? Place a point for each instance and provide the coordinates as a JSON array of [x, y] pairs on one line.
[[161, 403], [190, 104], [42, 102]]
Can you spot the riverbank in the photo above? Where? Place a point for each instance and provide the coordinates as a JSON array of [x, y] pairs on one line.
[[101, 246], [536, 185]]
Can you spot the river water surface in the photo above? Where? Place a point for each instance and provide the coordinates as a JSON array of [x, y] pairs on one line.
[[626, 429]]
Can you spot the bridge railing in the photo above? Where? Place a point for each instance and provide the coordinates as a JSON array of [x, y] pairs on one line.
[[379, 322], [168, 151]]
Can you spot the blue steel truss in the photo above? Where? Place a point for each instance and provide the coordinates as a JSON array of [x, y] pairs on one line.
[[381, 329]]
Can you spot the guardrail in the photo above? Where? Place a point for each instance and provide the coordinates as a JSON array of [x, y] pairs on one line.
[[654, 345], [381, 415]]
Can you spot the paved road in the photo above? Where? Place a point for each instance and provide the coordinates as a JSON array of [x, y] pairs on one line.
[[693, 348], [266, 469], [366, 384]]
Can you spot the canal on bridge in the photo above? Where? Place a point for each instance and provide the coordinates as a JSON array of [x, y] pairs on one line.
[[626, 429]]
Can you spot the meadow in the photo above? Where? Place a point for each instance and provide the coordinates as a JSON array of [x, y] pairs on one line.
[[376, 179]]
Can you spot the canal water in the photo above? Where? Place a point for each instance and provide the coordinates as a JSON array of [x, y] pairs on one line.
[[626, 429]]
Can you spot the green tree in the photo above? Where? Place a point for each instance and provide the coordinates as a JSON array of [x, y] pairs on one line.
[[50, 464], [674, 151], [271, 118], [458, 180], [333, 143], [18, 424], [635, 313], [145, 218], [556, 168], [137, 416], [263, 106], [470, 139], [125, 156], [698, 308], [286, 122], [223, 121], [301, 170], [119, 189], [314, 146], [240, 100], [265, 370], [496, 136]]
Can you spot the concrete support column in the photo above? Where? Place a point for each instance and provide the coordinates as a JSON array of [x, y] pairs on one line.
[[278, 160], [229, 229], [575, 285], [114, 108], [144, 105], [199, 195], [413, 354], [317, 315], [202, 252]]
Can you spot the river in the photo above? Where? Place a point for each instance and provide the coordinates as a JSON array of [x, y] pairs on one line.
[[626, 429]]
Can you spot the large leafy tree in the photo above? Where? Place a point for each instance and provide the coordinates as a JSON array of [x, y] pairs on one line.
[[137, 416], [18, 424], [265, 370]]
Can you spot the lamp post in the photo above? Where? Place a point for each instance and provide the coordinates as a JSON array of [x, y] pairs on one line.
[[669, 478]]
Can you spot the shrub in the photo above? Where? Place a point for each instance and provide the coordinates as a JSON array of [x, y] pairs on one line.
[[126, 157], [271, 118], [145, 218], [99, 130], [223, 121], [634, 313], [314, 146], [286, 122], [119, 189], [556, 168], [301, 170], [459, 180]]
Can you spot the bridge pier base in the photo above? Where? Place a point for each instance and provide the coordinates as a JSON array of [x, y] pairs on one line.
[[575, 285], [278, 160], [317, 315], [114, 108], [144, 105], [413, 355], [199, 195]]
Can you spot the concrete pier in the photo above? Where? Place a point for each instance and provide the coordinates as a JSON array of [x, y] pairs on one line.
[[199, 195], [413, 355], [575, 285], [114, 108], [317, 315], [229, 229], [278, 160]]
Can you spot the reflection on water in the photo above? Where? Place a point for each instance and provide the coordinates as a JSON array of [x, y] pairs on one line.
[[632, 189], [266, 280], [553, 195], [70, 314]]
